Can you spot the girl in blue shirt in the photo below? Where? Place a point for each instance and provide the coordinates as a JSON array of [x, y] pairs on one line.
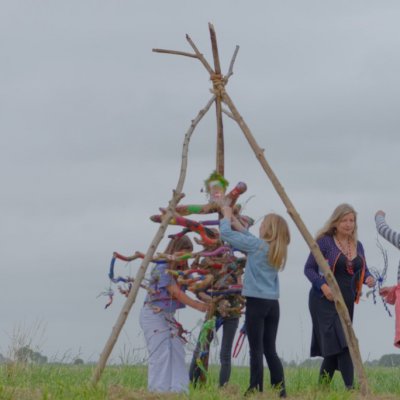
[[266, 256]]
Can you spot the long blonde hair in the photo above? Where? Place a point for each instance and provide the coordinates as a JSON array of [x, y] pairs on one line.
[[338, 213], [276, 234]]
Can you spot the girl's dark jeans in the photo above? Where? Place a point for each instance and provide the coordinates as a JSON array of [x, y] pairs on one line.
[[262, 319]]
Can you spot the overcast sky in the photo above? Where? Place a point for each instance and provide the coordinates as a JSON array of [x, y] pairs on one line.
[[92, 124]]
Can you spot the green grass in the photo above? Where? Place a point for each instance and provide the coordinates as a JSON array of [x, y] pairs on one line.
[[69, 382]]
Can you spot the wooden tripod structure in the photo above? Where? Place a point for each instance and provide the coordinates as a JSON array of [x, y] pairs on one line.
[[220, 96]]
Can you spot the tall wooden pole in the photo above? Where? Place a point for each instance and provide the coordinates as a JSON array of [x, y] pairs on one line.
[[216, 79], [199, 372]]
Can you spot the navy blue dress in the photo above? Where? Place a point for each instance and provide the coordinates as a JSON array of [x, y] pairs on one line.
[[328, 337]]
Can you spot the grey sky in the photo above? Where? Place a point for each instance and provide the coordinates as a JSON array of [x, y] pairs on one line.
[[92, 124]]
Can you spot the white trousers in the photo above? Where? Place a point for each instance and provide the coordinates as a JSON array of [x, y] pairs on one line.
[[166, 369]]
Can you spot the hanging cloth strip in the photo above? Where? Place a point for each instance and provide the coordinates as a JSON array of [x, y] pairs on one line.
[[240, 340]]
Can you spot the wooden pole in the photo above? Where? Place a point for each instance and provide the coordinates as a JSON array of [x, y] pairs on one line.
[[216, 78], [341, 308], [177, 196], [217, 82]]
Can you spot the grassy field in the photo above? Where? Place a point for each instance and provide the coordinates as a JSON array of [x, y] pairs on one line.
[[68, 382]]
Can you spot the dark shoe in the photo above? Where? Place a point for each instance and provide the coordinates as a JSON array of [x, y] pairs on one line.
[[282, 393], [280, 390], [250, 391]]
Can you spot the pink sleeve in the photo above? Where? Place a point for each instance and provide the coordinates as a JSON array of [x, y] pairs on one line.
[[397, 316], [388, 294]]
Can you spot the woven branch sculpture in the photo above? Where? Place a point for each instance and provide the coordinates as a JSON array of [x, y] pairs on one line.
[[220, 96]]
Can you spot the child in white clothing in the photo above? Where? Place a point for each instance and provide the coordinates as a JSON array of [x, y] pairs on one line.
[[166, 370]]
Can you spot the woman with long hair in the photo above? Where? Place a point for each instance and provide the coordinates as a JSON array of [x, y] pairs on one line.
[[266, 256], [339, 245]]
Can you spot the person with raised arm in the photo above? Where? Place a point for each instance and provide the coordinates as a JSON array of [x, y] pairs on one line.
[[390, 294], [266, 257]]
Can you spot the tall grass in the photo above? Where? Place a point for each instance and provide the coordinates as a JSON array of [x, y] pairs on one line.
[[68, 382]]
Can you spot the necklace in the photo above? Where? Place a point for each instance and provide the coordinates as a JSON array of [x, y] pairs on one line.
[[347, 253]]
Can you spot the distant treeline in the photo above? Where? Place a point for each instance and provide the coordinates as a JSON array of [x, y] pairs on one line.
[[27, 355], [387, 360]]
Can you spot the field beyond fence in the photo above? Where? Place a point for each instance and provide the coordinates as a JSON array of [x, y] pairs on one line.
[[67, 382]]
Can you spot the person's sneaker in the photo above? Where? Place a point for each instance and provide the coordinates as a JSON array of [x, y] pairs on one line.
[[250, 392]]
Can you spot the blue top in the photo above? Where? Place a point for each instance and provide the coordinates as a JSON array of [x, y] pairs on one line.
[[160, 297], [260, 279]]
